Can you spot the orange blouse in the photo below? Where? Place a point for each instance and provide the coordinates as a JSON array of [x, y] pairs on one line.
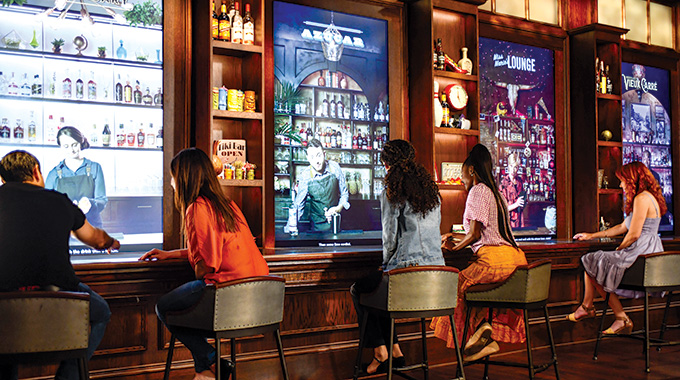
[[233, 255]]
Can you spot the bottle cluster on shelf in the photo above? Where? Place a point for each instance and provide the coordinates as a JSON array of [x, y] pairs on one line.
[[509, 130], [230, 26], [603, 83], [335, 137], [441, 60]]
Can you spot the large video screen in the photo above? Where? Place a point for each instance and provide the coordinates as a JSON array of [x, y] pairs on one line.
[[645, 103], [517, 107], [331, 119]]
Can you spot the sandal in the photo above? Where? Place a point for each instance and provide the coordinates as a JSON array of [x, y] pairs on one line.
[[625, 329], [590, 313], [382, 367]]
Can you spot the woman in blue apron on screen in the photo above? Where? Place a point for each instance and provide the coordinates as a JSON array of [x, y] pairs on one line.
[[79, 178]]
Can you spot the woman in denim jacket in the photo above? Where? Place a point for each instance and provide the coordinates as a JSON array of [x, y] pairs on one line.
[[411, 214]]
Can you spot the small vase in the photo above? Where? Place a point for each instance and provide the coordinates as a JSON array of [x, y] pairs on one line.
[[56, 49], [465, 63], [121, 53], [101, 53], [158, 56], [34, 42]]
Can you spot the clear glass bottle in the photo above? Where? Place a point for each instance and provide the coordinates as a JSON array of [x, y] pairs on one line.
[[158, 98], [150, 136], [248, 28], [80, 87], [67, 86], [5, 132], [147, 99], [137, 93], [3, 84], [50, 131], [91, 87], [32, 133], [237, 25], [52, 87], [118, 94], [25, 88], [127, 91], [12, 88], [36, 87], [106, 134], [141, 136], [19, 131]]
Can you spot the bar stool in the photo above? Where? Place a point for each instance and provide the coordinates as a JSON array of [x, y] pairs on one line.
[[44, 327], [234, 309], [653, 272], [413, 292], [525, 289]]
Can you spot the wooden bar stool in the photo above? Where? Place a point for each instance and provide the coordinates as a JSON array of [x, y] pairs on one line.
[[650, 273], [413, 292], [234, 309], [44, 327], [525, 289]]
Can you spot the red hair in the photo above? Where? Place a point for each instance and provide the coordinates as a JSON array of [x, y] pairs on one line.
[[636, 178]]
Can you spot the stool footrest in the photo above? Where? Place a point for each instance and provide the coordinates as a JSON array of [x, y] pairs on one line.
[[537, 367]]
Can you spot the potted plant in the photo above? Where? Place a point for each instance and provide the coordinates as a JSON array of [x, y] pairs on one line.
[[101, 51], [285, 96], [57, 44]]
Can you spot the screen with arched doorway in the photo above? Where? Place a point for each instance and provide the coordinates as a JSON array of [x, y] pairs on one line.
[[331, 119]]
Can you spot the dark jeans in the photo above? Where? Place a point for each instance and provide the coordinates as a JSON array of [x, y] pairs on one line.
[[100, 314], [377, 327], [183, 298]]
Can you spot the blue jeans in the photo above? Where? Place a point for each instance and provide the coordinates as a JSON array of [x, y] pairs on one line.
[[100, 314], [183, 298]]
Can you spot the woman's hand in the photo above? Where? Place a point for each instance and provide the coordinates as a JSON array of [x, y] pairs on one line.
[[159, 254], [583, 236]]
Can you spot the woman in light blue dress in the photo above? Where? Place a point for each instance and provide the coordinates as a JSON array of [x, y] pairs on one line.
[[644, 204]]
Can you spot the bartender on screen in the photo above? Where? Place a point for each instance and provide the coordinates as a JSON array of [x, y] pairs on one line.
[[79, 178], [323, 186]]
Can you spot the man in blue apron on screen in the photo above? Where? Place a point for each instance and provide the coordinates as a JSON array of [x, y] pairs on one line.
[[321, 187]]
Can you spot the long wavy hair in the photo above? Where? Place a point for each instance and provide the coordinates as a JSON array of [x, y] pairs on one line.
[[407, 180], [480, 160], [195, 177], [636, 178]]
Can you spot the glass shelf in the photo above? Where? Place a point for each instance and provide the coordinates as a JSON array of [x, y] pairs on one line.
[[81, 58]]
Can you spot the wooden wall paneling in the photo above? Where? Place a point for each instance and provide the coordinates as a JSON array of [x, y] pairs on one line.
[[201, 76], [580, 13]]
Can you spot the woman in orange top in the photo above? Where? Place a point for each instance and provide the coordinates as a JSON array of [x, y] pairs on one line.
[[220, 247]]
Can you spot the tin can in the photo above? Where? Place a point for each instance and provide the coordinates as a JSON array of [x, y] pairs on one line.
[[223, 98], [215, 98]]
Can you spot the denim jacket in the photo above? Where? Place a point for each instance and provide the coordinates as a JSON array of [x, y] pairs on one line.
[[408, 238]]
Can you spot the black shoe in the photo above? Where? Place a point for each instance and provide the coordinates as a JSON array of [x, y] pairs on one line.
[[399, 362], [226, 369], [382, 367]]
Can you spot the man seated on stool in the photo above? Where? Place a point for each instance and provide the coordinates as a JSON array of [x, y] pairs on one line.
[[35, 226]]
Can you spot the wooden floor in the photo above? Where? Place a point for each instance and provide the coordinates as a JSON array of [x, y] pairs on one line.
[[618, 359]]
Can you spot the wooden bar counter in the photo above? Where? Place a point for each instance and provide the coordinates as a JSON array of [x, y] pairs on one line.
[[319, 331]]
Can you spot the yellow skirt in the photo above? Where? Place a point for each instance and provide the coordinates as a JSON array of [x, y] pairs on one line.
[[495, 264]]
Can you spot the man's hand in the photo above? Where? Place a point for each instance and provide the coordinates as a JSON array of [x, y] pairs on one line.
[[519, 202], [332, 211]]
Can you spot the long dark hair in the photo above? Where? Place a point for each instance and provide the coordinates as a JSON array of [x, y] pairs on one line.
[[195, 177], [480, 160], [407, 180]]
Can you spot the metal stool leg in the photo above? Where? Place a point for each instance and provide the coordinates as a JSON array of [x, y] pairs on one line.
[[664, 322], [486, 360], [599, 331], [646, 343], [389, 350], [82, 368], [218, 357], [284, 368], [530, 359], [552, 341], [168, 361], [232, 345], [460, 373], [465, 331], [426, 368], [362, 333]]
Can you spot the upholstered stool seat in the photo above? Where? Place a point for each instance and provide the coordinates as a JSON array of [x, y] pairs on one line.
[[44, 327], [413, 292], [235, 309], [526, 289], [650, 273]]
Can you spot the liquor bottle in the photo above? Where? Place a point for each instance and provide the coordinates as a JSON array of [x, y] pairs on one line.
[[3, 84], [340, 108], [237, 25], [224, 23], [147, 98], [334, 139], [5, 132], [32, 130], [435, 56], [332, 108], [325, 107], [303, 134], [36, 87], [106, 134], [214, 23], [138, 93], [343, 81], [445, 112], [120, 135], [131, 134], [94, 136], [465, 63], [12, 88], [321, 81], [119, 91], [603, 79], [67, 86], [609, 85], [50, 132], [141, 136], [597, 74], [127, 91], [231, 11], [91, 87], [25, 88], [150, 137], [19, 131], [159, 138], [441, 58], [310, 134], [61, 124], [158, 98], [79, 87], [248, 27]]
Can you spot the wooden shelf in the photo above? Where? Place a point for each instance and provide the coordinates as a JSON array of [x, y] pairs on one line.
[[610, 191], [613, 144], [457, 131], [609, 96], [241, 182], [237, 115], [234, 50], [451, 74]]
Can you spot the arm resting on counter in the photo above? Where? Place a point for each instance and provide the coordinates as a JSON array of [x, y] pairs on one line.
[[96, 237], [474, 234]]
